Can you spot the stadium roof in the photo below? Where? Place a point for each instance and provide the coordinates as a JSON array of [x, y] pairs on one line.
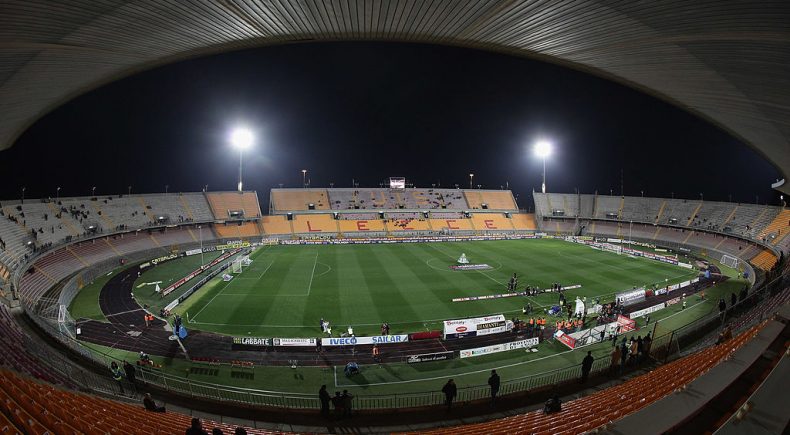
[[726, 61]]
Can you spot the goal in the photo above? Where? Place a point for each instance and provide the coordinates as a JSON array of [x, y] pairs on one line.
[[729, 261]]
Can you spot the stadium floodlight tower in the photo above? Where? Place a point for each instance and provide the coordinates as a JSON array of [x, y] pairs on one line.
[[241, 138], [543, 150]]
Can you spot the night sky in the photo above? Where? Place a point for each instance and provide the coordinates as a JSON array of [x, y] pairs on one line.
[[368, 111]]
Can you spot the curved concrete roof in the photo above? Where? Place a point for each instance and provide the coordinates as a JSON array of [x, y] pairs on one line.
[[725, 60]]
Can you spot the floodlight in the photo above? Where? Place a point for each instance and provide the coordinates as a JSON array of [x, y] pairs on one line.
[[241, 138], [543, 149]]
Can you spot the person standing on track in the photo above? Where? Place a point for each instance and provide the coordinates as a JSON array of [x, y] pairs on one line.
[[450, 390], [493, 382]]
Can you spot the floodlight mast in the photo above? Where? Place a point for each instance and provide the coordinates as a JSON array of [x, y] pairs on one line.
[[543, 150], [241, 139]]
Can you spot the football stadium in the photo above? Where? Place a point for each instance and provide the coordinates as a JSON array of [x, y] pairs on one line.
[[399, 308]]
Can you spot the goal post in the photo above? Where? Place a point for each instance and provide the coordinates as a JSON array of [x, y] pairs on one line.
[[729, 261], [235, 266]]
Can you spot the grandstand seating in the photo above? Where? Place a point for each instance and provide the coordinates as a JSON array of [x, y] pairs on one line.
[[523, 222], [768, 224], [223, 203], [390, 199], [283, 200], [238, 230], [276, 225], [38, 408], [454, 224], [490, 199], [491, 222], [404, 225], [764, 260], [314, 223], [597, 409], [778, 228], [361, 226]]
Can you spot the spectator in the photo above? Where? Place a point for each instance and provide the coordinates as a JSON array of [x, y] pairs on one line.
[[129, 370], [324, 397], [240, 431], [733, 299], [623, 355], [216, 431], [450, 390], [117, 375], [151, 405], [646, 345], [553, 405], [722, 305], [587, 363], [337, 402], [616, 355], [347, 403], [493, 382], [196, 428], [640, 348]]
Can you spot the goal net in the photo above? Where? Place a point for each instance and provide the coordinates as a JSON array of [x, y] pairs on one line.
[[235, 267], [729, 261]]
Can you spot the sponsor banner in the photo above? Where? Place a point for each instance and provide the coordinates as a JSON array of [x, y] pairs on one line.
[[353, 341], [695, 280], [625, 324], [595, 309], [471, 267], [171, 305], [509, 295], [252, 341], [565, 339], [162, 259], [293, 341], [427, 357], [614, 240], [673, 287], [233, 245], [685, 283], [631, 297], [496, 348], [193, 252], [469, 327], [646, 311], [662, 291], [673, 301], [376, 240]]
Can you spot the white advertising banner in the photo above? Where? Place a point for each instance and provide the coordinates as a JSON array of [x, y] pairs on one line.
[[293, 341], [504, 347], [353, 341], [631, 297], [475, 326], [648, 310]]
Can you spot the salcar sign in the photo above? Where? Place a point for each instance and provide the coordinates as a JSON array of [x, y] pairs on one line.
[[353, 341]]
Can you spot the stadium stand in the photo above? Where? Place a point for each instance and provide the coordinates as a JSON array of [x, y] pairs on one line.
[[453, 224], [225, 204], [283, 200], [598, 409], [523, 222], [38, 408], [765, 260], [491, 221], [315, 223], [402, 225], [240, 230], [778, 228], [490, 199], [361, 226], [391, 199], [276, 225]]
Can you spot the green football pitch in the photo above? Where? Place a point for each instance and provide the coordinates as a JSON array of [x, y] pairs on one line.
[[288, 289]]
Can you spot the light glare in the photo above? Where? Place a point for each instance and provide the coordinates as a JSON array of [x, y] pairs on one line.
[[543, 149], [241, 138]]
